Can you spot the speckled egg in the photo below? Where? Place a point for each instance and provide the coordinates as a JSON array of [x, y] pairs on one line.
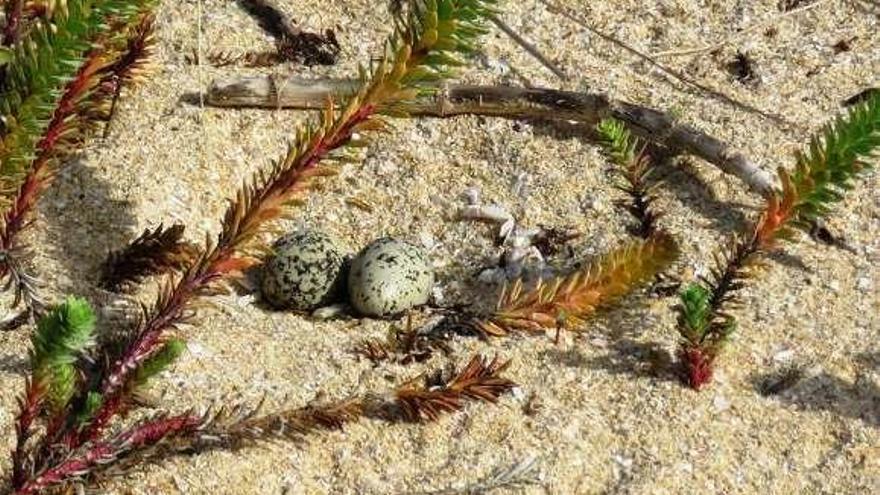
[[388, 277], [305, 272]]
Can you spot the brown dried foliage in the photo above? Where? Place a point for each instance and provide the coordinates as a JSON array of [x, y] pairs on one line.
[[478, 381], [152, 253], [636, 174], [565, 302], [404, 346]]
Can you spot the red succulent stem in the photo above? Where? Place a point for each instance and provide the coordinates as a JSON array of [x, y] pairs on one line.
[[698, 366], [29, 408], [39, 174], [140, 436], [218, 263], [13, 22]]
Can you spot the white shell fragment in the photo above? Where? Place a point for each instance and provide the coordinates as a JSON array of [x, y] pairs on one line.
[[305, 273], [485, 213], [388, 277]]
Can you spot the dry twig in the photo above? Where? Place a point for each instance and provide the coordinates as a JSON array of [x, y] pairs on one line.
[[578, 19], [503, 101]]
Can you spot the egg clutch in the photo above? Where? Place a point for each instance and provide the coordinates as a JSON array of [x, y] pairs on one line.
[[309, 270]]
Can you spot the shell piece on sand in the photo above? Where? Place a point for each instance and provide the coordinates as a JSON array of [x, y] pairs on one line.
[[389, 276]]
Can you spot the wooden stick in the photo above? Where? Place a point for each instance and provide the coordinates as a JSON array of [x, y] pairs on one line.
[[503, 101]]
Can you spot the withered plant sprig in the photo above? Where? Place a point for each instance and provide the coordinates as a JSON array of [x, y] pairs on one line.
[[403, 345], [425, 45], [635, 167], [238, 426], [154, 252], [822, 173], [566, 302]]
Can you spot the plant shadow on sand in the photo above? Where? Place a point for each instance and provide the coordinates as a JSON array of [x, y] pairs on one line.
[[626, 353], [826, 392], [13, 364], [84, 223]]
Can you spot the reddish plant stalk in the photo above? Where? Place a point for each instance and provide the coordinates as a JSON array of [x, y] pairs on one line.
[[698, 366], [13, 22], [29, 408], [39, 175], [219, 262], [92, 73], [35, 182], [140, 436]]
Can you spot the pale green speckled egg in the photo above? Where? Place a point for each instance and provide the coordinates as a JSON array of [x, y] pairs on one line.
[[388, 277], [305, 272]]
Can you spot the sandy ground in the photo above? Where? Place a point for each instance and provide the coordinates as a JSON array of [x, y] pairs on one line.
[[608, 422]]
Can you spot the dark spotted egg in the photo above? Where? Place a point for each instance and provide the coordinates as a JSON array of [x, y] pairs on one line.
[[305, 271], [388, 277]]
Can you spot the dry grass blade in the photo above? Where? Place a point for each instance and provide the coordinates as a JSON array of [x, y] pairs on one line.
[[521, 474], [566, 301], [238, 425], [478, 381]]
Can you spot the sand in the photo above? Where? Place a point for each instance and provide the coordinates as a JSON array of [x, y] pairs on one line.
[[607, 422]]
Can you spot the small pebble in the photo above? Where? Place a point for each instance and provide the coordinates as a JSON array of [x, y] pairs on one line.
[[721, 404], [330, 312], [783, 355], [388, 277], [472, 196], [305, 272]]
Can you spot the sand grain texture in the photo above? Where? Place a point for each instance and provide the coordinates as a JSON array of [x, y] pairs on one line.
[[608, 423]]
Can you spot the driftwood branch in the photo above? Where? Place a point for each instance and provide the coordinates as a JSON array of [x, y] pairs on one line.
[[501, 101]]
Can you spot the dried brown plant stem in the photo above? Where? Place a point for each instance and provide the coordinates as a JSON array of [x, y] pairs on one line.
[[739, 34], [530, 48], [510, 102], [240, 425], [479, 380], [154, 252]]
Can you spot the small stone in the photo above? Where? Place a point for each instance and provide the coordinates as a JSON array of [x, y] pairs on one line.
[[427, 240], [721, 404], [305, 272], [624, 462], [472, 196], [783, 355], [864, 284], [388, 277], [492, 276], [197, 349], [330, 312], [589, 203]]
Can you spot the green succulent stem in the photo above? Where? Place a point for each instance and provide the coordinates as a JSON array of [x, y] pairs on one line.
[[431, 37], [39, 67], [822, 174]]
